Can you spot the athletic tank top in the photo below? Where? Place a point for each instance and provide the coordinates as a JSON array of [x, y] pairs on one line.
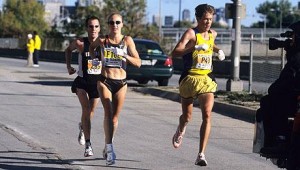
[[199, 62], [89, 69], [110, 59]]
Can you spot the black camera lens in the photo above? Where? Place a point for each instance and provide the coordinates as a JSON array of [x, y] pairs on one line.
[[287, 34], [275, 43]]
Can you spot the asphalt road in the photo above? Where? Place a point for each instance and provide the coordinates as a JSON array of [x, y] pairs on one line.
[[39, 126]]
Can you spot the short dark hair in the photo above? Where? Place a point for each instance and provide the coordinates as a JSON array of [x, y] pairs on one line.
[[201, 9], [91, 18]]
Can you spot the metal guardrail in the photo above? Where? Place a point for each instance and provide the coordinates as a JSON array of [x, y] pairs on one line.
[[225, 35], [172, 34]]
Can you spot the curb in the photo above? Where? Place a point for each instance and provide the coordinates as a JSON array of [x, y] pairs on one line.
[[227, 109]]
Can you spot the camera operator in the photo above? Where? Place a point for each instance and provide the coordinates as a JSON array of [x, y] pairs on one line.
[[281, 101], [294, 54]]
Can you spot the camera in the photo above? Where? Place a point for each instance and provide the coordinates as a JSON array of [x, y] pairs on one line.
[[275, 43]]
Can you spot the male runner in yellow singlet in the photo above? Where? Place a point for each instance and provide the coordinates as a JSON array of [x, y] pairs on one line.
[[196, 47]]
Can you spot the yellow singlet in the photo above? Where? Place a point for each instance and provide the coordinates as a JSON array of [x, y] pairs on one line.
[[202, 60]]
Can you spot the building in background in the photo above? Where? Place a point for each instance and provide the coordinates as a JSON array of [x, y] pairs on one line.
[[52, 10], [220, 17], [57, 13], [168, 21], [186, 15], [98, 3], [155, 19]]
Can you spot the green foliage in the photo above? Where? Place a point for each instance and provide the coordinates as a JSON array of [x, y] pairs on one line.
[[133, 13], [183, 24], [77, 25], [22, 17], [274, 11], [239, 96]]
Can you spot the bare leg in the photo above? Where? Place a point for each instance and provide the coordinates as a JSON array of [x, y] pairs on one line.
[[86, 112], [186, 116], [118, 101], [206, 104], [106, 99]]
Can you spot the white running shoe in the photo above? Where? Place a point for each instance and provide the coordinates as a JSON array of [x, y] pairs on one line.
[[177, 138], [81, 138], [88, 150], [110, 155], [201, 161]]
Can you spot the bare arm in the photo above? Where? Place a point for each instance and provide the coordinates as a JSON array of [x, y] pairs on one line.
[[133, 56], [68, 56], [185, 45], [215, 47], [93, 46]]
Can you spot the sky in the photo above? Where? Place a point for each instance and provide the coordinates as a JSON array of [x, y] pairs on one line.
[[171, 7]]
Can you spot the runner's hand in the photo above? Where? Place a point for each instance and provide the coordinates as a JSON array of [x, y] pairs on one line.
[[201, 47], [71, 70], [221, 55], [120, 52]]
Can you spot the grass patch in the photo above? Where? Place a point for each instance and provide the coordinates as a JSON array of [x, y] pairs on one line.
[[239, 96]]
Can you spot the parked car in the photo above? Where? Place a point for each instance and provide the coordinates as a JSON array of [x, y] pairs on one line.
[[156, 65]]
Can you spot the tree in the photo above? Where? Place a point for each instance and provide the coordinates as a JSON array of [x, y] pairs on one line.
[[133, 13], [275, 11], [22, 17], [183, 24], [77, 24]]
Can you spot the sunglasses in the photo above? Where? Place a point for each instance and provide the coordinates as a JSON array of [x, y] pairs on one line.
[[114, 22], [93, 26]]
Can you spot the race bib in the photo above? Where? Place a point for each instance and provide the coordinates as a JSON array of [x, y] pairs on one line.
[[94, 66], [111, 59], [203, 61]]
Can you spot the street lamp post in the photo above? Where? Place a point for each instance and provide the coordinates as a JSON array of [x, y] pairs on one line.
[[280, 17], [280, 22], [179, 25], [159, 21], [234, 83], [265, 27], [264, 16]]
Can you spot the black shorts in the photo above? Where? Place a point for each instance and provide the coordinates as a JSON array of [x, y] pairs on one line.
[[112, 84], [81, 83]]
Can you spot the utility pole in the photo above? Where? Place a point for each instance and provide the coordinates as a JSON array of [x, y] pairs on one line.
[[159, 22], [237, 12], [179, 16]]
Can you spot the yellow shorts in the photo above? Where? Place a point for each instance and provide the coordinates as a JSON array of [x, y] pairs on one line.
[[193, 85]]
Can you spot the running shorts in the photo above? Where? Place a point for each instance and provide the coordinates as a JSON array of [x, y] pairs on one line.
[[193, 85], [90, 88]]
